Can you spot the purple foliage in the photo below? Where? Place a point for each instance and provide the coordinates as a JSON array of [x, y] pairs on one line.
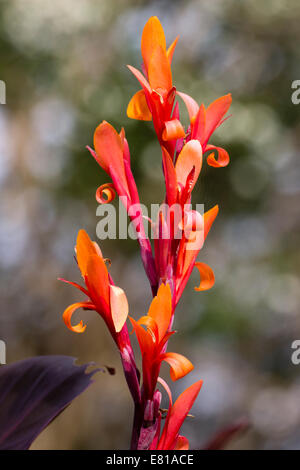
[[33, 392]]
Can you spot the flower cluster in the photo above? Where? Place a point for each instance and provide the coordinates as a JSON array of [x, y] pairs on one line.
[[170, 261]]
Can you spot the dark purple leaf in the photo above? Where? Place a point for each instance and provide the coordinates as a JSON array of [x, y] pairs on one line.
[[33, 392], [220, 439]]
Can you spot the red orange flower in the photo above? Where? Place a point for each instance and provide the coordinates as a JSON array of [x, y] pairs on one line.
[[156, 99], [153, 341], [104, 297]]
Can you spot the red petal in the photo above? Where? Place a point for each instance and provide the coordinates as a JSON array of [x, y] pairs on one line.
[[178, 413], [170, 177]]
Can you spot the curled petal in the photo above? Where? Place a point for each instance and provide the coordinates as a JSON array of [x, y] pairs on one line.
[[138, 107], [67, 315], [173, 130], [182, 443], [180, 365], [207, 278], [105, 193], [119, 307], [221, 161]]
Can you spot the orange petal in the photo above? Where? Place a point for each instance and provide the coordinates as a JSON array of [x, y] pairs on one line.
[[161, 309], [145, 339], [180, 365], [190, 103], [138, 108], [221, 161], [153, 36], [109, 149], [97, 281], [189, 157], [182, 443], [67, 315], [173, 130], [119, 307], [159, 70], [85, 248], [215, 112], [207, 277], [171, 49], [151, 325], [209, 218], [108, 146], [105, 193]]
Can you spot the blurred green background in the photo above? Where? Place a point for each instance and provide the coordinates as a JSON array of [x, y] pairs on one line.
[[64, 68]]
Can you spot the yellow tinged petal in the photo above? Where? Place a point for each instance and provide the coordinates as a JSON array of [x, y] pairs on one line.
[[189, 157], [138, 108], [119, 307]]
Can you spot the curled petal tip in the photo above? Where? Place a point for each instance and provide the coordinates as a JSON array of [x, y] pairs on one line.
[[68, 313], [207, 277]]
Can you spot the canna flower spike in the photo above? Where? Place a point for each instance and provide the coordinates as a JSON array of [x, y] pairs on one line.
[[153, 340], [104, 297]]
